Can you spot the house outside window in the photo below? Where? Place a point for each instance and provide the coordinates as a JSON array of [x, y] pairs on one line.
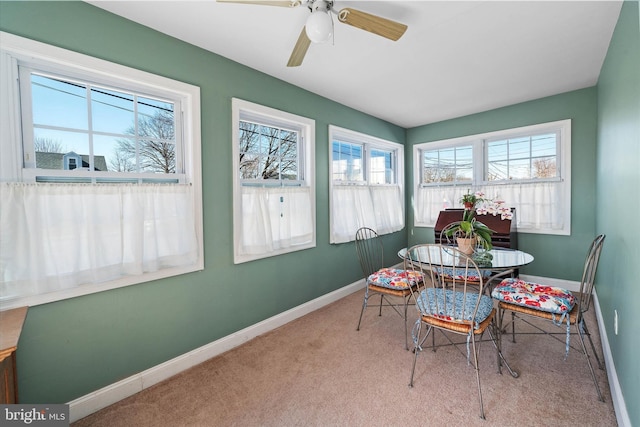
[[274, 182], [529, 168], [105, 159], [366, 187]]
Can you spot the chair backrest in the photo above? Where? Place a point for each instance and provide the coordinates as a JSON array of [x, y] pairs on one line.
[[370, 251], [589, 274], [445, 239], [454, 300]]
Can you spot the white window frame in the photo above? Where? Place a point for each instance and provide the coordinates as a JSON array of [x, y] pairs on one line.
[[478, 142], [245, 110], [36, 54], [368, 142]]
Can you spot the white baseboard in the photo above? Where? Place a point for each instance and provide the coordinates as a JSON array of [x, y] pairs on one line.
[[92, 402], [622, 416]]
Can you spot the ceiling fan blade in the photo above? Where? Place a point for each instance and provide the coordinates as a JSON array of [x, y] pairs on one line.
[[282, 3], [372, 23], [299, 50]]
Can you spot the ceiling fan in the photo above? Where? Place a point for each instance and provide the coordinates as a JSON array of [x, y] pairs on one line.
[[319, 25]]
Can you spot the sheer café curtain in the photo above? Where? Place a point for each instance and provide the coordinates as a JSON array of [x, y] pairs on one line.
[[538, 204], [379, 207], [275, 218], [59, 236]]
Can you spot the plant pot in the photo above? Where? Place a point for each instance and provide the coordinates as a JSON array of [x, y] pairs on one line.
[[467, 245]]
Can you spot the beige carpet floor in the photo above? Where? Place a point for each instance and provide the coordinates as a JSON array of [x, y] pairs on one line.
[[319, 371]]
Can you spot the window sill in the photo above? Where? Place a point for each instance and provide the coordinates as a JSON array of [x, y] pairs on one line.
[[78, 291]]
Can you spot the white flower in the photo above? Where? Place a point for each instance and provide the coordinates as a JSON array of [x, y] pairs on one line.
[[505, 213]]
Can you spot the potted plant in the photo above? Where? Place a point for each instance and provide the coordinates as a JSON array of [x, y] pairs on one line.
[[470, 232]]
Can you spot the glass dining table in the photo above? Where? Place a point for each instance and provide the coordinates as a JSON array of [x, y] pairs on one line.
[[500, 262]]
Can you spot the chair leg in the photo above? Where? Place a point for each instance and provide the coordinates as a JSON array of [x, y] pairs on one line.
[[475, 366], [382, 299], [364, 306], [586, 355], [498, 330], [416, 349], [593, 347], [497, 342], [406, 306], [496, 339]]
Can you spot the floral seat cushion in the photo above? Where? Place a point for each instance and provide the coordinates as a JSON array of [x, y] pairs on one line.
[[393, 278], [458, 274], [541, 297], [452, 306]]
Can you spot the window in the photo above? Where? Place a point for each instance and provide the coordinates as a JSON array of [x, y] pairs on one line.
[[382, 167], [450, 164], [274, 182], [366, 184], [105, 162], [528, 168], [522, 158], [101, 133], [269, 153], [71, 161], [347, 162]]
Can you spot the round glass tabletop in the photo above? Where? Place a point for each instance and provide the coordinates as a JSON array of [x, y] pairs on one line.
[[495, 259]]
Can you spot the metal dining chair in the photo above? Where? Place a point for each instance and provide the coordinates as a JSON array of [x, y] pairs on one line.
[[455, 306], [557, 305], [386, 282]]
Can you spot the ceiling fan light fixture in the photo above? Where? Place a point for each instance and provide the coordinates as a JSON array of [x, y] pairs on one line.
[[319, 26]]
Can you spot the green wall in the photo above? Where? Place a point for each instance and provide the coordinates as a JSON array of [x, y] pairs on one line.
[[555, 256], [618, 205], [73, 347]]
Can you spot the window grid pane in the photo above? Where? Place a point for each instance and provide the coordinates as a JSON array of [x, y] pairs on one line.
[[450, 165], [347, 161], [522, 158], [109, 130], [268, 153], [381, 167]]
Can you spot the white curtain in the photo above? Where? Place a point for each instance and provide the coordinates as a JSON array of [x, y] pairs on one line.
[[429, 201], [58, 236], [353, 206], [538, 205], [275, 218]]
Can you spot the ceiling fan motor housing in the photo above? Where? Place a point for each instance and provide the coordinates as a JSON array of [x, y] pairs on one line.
[[320, 5]]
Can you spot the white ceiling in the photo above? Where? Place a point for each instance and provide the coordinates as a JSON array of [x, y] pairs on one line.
[[456, 58]]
